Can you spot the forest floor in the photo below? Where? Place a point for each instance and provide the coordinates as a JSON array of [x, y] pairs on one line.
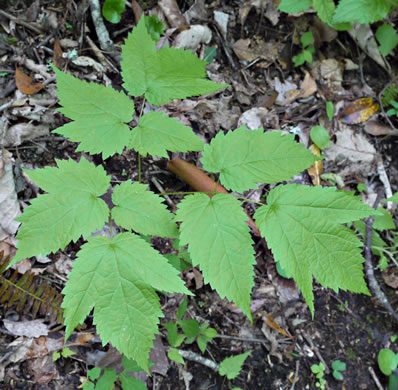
[[254, 45]]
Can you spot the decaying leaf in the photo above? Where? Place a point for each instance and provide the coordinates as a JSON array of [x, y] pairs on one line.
[[315, 171], [376, 128], [359, 111], [274, 325], [9, 206], [25, 83]]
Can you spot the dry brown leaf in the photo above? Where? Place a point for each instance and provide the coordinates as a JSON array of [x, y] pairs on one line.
[[390, 277], [375, 127], [359, 111], [58, 60], [274, 325], [315, 171], [172, 12], [137, 10], [25, 83]]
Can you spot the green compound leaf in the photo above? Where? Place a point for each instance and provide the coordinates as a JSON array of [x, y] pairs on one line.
[[302, 226], [247, 157], [231, 366], [162, 75], [294, 6], [325, 9], [113, 9], [220, 243], [71, 208], [156, 133], [142, 210], [387, 37], [99, 113], [118, 277], [361, 11]]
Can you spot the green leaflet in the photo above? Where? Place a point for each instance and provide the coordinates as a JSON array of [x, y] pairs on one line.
[[162, 75], [361, 11], [156, 133], [387, 36], [394, 198], [71, 208], [117, 277], [247, 157], [99, 113], [231, 366], [294, 6], [220, 243], [302, 226], [142, 210], [325, 9], [113, 9]]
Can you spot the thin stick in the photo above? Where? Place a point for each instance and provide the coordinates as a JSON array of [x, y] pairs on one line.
[[105, 41], [295, 374], [21, 22], [373, 284], [375, 378], [194, 357]]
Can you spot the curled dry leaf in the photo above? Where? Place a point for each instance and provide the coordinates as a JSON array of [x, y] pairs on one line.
[[359, 111], [191, 38], [315, 171], [172, 12], [58, 60], [25, 83]]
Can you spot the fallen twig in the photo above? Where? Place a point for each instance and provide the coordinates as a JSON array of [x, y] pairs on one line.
[[194, 357], [375, 378], [373, 284], [105, 41]]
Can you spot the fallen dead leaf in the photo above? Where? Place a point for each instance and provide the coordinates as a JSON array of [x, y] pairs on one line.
[[172, 12], [21, 132], [274, 325], [25, 83], [390, 277], [376, 128], [351, 146], [137, 10], [191, 38], [58, 60], [359, 111], [316, 170], [253, 118], [365, 38], [9, 206], [34, 328]]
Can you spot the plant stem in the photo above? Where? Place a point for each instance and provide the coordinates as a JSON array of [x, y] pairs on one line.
[[110, 223], [139, 167], [139, 155]]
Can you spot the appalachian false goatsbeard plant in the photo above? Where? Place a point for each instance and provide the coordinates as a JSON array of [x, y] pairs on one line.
[[118, 276]]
